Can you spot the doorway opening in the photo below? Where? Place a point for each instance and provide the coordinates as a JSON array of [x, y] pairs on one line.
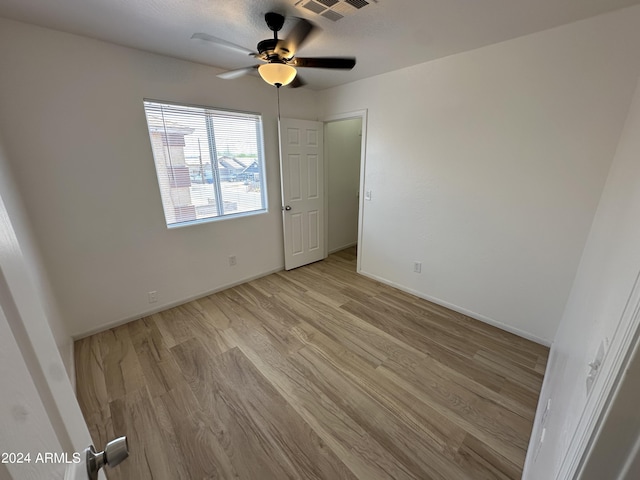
[[322, 175], [344, 140]]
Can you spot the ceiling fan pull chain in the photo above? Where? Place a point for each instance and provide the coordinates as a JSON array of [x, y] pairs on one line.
[[278, 90]]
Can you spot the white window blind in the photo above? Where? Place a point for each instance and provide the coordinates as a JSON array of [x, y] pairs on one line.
[[210, 163]]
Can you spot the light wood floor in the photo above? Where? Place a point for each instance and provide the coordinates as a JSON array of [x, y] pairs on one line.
[[316, 373]]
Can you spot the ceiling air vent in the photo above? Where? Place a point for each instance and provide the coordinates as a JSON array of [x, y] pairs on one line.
[[333, 10], [358, 3], [331, 15], [314, 7]]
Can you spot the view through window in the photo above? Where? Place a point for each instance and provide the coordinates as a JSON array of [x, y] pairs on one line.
[[210, 163]]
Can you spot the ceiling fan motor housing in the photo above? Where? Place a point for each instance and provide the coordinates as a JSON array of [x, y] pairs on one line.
[[268, 49], [267, 46]]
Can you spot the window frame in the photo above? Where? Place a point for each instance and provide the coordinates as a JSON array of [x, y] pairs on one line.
[[216, 184]]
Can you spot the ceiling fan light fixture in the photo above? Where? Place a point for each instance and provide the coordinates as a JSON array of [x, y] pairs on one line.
[[277, 74]]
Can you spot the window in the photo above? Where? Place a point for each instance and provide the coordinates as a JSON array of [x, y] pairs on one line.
[[210, 163]]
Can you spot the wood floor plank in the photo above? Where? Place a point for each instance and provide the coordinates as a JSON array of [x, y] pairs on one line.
[[510, 370], [191, 432], [277, 318], [175, 325], [158, 366], [357, 336], [316, 373], [279, 283], [92, 391], [511, 403], [377, 419], [345, 279], [263, 436], [352, 444], [194, 363], [476, 333], [447, 400], [313, 281], [122, 370], [486, 464], [449, 337], [541, 364], [482, 330], [151, 456], [242, 314], [210, 313], [100, 426], [419, 432], [206, 323], [420, 340], [285, 437], [513, 391]]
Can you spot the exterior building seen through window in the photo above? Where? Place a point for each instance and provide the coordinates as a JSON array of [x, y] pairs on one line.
[[210, 163]]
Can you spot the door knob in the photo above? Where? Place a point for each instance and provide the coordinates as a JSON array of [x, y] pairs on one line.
[[114, 453], [287, 208]]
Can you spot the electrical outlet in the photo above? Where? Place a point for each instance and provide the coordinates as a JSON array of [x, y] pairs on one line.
[[232, 261], [417, 267], [153, 296]]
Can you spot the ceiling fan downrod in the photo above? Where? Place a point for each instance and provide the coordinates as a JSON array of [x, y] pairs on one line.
[[275, 21]]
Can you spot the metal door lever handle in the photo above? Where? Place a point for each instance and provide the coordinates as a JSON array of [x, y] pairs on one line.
[[114, 453]]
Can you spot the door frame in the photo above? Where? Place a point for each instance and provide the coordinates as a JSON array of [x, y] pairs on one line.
[[361, 114], [607, 385]]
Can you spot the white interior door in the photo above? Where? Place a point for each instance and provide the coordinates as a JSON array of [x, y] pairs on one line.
[[42, 431], [302, 177]]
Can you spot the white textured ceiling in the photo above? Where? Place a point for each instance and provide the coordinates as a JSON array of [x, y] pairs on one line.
[[384, 36]]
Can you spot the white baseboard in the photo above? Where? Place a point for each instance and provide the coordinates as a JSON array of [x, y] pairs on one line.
[[70, 364], [166, 306], [349, 245], [464, 311]]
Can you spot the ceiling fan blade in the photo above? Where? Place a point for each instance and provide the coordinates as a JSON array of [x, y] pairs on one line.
[[231, 74], [224, 43], [300, 32], [344, 63], [297, 82]]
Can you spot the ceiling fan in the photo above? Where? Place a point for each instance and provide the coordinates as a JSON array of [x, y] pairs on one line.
[[279, 54]]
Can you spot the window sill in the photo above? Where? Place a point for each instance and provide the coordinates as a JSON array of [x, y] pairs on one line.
[[217, 219]]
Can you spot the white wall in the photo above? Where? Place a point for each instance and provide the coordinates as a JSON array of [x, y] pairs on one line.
[[342, 140], [487, 167], [603, 284], [37, 273], [76, 139], [38, 408]]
